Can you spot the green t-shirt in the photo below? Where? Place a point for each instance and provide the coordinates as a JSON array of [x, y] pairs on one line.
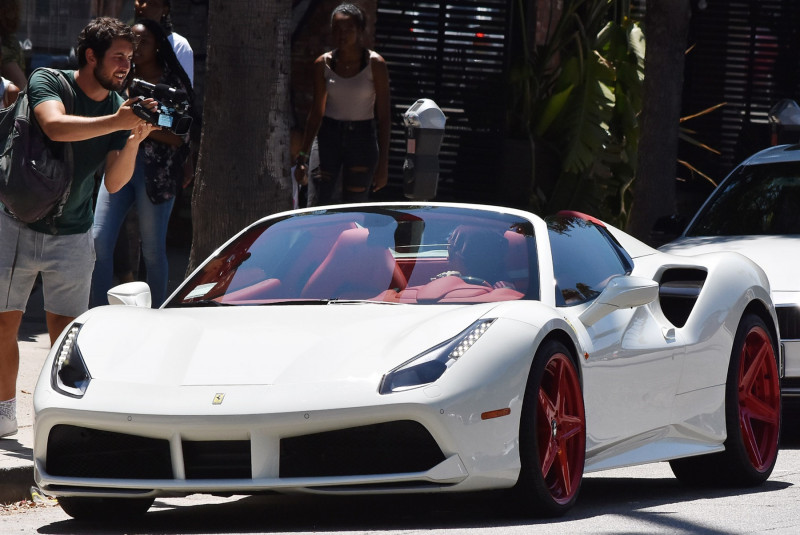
[[88, 155]]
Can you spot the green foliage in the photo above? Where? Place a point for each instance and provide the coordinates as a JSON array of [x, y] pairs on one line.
[[579, 95]]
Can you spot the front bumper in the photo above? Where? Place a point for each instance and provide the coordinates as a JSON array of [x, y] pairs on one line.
[[389, 448]]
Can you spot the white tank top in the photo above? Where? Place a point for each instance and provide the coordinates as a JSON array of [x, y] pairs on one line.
[[350, 99]]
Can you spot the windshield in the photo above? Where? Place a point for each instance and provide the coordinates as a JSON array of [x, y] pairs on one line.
[[413, 255], [755, 200]]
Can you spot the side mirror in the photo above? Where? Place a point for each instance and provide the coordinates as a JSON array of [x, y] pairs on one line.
[[622, 292], [136, 294]]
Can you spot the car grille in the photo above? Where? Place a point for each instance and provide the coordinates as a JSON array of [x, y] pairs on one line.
[[218, 459], [790, 386], [80, 452], [388, 448], [789, 322]]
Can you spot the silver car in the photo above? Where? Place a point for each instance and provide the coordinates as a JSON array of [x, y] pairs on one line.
[[756, 211]]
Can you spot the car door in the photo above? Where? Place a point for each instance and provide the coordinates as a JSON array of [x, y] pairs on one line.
[[632, 362]]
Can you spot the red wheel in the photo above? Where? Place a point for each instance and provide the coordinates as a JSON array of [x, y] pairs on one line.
[[553, 433], [752, 415], [759, 399], [560, 429]]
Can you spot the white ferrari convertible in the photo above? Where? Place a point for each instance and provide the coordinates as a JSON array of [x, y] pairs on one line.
[[397, 348]]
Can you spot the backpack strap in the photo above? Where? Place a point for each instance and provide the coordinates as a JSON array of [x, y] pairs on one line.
[[67, 94]]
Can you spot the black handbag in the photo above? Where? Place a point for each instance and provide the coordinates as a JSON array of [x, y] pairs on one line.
[[35, 172]]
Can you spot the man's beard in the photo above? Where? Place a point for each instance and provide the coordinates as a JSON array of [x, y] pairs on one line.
[[107, 82]]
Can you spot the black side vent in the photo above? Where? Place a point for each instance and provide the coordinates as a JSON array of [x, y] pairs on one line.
[[789, 322], [678, 291]]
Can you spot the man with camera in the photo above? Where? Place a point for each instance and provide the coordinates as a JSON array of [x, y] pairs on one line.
[[103, 130], [158, 174]]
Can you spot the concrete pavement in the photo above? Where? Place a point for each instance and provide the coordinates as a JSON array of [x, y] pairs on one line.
[[16, 451]]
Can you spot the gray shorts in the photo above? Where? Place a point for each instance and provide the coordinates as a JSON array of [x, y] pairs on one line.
[[66, 263]]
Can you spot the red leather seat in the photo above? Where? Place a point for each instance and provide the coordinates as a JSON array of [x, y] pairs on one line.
[[355, 268]]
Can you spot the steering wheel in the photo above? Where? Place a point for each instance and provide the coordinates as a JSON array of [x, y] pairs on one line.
[[475, 280], [469, 279]]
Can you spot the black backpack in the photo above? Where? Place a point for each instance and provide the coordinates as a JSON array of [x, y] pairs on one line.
[[35, 172]]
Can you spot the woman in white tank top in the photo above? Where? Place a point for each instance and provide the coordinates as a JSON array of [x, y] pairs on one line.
[[351, 95]]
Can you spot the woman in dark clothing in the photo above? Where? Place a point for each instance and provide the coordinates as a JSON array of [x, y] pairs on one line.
[[351, 93]]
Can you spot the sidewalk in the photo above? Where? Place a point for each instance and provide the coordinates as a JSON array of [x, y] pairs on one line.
[[16, 451]]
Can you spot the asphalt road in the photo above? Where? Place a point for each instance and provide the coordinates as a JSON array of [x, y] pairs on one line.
[[645, 499]]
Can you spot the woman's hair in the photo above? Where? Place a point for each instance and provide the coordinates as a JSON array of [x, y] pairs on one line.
[[99, 34], [166, 18], [166, 55], [352, 11]]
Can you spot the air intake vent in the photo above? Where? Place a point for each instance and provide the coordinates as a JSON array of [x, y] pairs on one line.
[[388, 448], [80, 452], [789, 322]]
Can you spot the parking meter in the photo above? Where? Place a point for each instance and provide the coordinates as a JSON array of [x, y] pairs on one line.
[[424, 125]]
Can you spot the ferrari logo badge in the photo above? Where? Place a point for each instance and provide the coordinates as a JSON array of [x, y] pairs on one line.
[[218, 399]]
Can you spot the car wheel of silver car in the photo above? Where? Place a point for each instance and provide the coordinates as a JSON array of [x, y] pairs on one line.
[[552, 433], [752, 414], [81, 508]]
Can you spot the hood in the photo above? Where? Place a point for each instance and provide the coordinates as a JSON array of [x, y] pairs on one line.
[[777, 255], [266, 345]]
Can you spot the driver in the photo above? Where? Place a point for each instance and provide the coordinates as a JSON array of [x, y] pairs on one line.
[[478, 256]]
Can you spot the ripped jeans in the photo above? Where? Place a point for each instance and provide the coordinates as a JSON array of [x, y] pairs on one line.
[[349, 147]]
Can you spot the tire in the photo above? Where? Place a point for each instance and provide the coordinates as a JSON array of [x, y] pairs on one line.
[[752, 415], [113, 509], [552, 434]]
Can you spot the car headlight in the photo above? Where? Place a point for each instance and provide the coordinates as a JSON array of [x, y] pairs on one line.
[[427, 367], [69, 374]]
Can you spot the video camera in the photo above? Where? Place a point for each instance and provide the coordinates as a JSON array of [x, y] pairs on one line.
[[173, 105]]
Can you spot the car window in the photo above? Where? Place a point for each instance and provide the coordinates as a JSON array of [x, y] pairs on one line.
[[754, 200], [413, 255], [585, 258]]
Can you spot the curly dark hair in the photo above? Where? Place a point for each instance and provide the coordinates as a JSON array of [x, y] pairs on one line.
[[99, 34], [166, 54], [354, 12]]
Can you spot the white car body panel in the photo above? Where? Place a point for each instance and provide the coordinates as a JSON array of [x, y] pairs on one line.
[[778, 256], [652, 391]]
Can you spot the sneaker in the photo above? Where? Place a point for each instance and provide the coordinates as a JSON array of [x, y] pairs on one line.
[[8, 426]]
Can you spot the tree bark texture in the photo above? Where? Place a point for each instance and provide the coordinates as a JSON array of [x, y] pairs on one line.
[[243, 167], [666, 28]]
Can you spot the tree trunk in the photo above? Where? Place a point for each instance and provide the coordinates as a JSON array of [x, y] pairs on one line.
[[243, 168], [666, 28]]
